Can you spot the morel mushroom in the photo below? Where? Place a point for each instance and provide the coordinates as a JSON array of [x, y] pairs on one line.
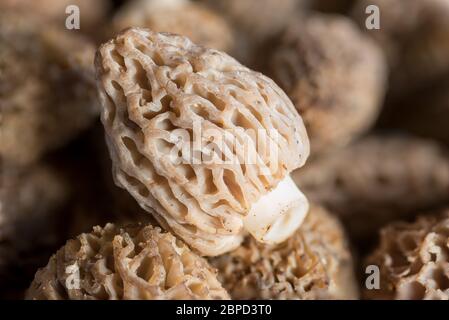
[[413, 34], [378, 179], [136, 262], [201, 141], [315, 263], [47, 88], [177, 16], [413, 260], [334, 75]]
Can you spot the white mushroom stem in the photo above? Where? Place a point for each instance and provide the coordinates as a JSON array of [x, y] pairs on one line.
[[277, 215]]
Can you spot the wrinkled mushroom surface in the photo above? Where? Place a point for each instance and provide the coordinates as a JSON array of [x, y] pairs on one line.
[[197, 138], [413, 259], [136, 262], [315, 263]]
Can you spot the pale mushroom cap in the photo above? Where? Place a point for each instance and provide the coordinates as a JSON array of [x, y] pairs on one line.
[[194, 136], [184, 17], [379, 178], [47, 86], [136, 262], [413, 260], [315, 263], [334, 74]]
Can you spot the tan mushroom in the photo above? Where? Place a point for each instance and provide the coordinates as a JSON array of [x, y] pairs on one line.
[[136, 262], [184, 17], [334, 75], [378, 179], [201, 141], [413, 259], [315, 263]]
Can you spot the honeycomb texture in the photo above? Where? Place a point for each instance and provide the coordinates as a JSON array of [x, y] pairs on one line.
[[136, 262], [156, 89], [414, 34], [315, 263], [47, 88], [334, 75], [180, 17], [413, 259], [378, 179]]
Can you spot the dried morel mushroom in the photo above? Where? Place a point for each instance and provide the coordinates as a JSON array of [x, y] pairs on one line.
[[204, 141], [315, 263], [92, 13], [184, 17], [413, 260], [334, 75], [47, 88], [414, 36], [136, 262], [378, 179]]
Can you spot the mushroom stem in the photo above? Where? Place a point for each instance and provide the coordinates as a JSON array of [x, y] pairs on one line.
[[277, 215]]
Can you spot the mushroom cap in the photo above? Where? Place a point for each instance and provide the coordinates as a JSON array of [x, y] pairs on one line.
[[136, 262], [334, 75], [413, 34], [47, 88], [194, 136], [180, 17], [315, 263], [413, 260], [378, 179]]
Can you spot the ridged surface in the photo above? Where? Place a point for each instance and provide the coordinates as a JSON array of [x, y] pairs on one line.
[[315, 263], [154, 88], [413, 259], [378, 179], [138, 262], [334, 75]]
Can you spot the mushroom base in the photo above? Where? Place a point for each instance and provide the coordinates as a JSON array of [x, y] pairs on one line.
[[277, 215]]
